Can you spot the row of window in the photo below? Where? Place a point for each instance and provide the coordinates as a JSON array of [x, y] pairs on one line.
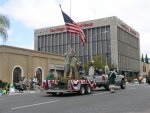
[[99, 47], [60, 42], [127, 38], [128, 63], [128, 50], [92, 34], [53, 41]]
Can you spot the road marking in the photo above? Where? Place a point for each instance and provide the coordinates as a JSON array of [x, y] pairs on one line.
[[100, 93], [132, 88], [34, 105]]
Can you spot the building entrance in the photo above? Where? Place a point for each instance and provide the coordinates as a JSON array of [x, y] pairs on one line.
[[39, 75], [16, 74]]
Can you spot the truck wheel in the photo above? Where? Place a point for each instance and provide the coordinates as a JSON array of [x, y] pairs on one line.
[[123, 85], [107, 87], [48, 93], [61, 94], [82, 90], [87, 89], [54, 94]]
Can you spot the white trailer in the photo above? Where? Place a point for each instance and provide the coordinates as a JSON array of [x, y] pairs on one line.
[[81, 86]]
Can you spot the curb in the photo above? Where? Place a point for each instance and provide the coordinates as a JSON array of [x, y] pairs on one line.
[[26, 92]]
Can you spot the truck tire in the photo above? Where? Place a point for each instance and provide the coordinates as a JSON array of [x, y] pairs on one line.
[[48, 93], [107, 87], [123, 84], [87, 89], [82, 90], [61, 94], [53, 94]]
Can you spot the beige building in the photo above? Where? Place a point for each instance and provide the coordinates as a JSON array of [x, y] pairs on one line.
[[145, 68], [18, 62]]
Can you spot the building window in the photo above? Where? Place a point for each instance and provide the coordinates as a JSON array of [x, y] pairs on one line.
[[39, 75], [17, 75]]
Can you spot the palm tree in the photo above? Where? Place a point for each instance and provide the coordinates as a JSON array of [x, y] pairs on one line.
[[4, 26]]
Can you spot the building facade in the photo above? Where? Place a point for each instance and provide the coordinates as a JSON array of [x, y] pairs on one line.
[[18, 62], [109, 37], [145, 68]]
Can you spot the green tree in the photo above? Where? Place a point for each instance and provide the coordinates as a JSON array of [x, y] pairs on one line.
[[146, 59], [113, 66], [142, 59], [4, 26], [99, 62]]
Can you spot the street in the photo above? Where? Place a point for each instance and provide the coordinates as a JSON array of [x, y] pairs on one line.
[[134, 99]]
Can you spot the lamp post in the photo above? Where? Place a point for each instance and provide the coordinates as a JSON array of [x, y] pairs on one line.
[[106, 58], [106, 66]]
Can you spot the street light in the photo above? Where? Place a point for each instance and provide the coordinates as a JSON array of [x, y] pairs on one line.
[[106, 58], [106, 66]]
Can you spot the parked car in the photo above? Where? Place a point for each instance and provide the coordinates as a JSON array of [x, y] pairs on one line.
[[135, 81]]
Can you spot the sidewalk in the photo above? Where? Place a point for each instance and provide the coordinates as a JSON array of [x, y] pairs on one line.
[[13, 91], [23, 92]]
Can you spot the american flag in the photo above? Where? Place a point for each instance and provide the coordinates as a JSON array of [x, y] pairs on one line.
[[72, 27]]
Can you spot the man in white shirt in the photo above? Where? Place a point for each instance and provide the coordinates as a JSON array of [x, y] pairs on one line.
[[91, 69]]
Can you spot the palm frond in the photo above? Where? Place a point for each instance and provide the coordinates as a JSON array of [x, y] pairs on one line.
[[4, 26], [4, 21], [3, 33]]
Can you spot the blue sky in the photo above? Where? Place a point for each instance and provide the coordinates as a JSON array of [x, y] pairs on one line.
[[20, 36], [27, 15]]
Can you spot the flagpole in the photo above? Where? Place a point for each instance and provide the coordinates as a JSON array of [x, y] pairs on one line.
[[67, 36], [70, 33], [70, 8], [72, 27], [91, 46]]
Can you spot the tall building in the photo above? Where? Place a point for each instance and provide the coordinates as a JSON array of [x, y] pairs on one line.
[[110, 37]]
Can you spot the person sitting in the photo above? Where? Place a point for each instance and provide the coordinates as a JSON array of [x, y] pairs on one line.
[[18, 86], [97, 72], [4, 92], [24, 83], [1, 82], [21, 89], [35, 81]]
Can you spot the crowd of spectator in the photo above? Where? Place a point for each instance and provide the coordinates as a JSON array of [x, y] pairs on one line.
[[21, 86]]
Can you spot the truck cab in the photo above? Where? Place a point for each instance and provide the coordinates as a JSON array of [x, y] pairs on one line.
[[102, 80]]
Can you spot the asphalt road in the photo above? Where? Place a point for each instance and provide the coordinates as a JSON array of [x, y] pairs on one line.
[[134, 99]]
